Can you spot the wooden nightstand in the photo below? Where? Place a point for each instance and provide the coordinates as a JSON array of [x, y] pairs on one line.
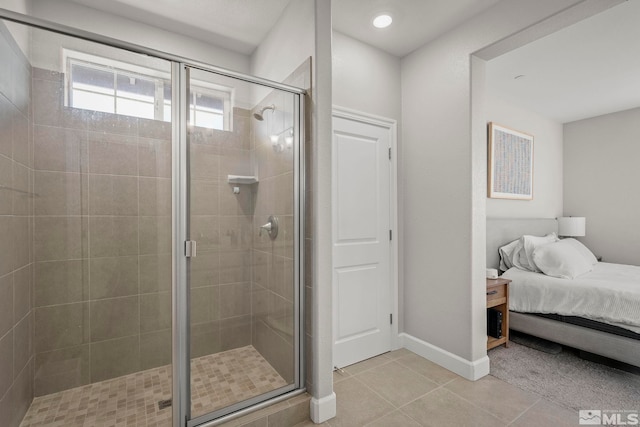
[[498, 298]]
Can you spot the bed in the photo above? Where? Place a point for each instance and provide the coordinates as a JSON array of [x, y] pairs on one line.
[[590, 312]]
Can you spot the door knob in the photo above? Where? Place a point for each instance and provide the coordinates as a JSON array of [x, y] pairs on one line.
[[270, 227]]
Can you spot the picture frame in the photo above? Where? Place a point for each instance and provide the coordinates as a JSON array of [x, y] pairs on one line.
[[510, 163]]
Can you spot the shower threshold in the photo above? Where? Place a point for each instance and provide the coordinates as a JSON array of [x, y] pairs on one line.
[[218, 380]]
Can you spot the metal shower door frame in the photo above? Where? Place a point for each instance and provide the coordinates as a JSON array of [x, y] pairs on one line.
[[181, 324]]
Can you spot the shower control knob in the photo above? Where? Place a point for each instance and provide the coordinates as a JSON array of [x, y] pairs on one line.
[[270, 227], [266, 227]]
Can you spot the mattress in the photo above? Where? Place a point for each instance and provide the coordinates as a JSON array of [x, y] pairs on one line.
[[608, 294]]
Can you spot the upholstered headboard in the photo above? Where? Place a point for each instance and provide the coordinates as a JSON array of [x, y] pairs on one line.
[[501, 231]]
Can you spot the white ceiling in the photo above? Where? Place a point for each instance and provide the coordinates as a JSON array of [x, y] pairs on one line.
[[238, 25], [586, 70], [241, 25], [415, 22]]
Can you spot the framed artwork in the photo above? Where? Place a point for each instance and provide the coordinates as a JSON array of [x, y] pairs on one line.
[[510, 164]]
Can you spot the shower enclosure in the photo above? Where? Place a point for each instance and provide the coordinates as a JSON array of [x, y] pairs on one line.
[[150, 220]]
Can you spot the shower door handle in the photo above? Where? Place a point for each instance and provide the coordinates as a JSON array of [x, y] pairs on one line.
[[190, 248], [270, 227]]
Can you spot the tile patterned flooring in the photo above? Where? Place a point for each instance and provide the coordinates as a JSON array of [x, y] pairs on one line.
[[402, 389], [396, 389], [132, 400]]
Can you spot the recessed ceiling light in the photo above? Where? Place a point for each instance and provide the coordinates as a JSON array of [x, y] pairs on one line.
[[382, 21]]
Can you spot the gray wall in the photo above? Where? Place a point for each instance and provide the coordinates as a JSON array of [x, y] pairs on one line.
[[444, 177], [547, 162], [365, 78], [601, 176], [16, 216], [19, 32]]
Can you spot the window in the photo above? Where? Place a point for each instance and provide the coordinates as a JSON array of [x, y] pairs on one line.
[[208, 108], [102, 84]]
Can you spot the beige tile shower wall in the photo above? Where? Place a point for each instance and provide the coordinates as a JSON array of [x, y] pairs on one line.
[[221, 223], [102, 241], [273, 260], [16, 215]]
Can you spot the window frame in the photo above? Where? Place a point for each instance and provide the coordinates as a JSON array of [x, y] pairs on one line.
[[159, 78]]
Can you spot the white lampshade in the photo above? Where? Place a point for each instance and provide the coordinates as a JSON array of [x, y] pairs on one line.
[[572, 226]]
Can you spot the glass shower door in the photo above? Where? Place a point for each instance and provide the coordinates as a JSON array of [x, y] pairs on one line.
[[101, 183], [85, 213], [243, 328]]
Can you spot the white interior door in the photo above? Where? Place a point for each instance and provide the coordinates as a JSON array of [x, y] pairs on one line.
[[362, 303]]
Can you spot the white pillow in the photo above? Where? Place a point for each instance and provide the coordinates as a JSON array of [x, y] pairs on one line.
[[530, 243], [519, 252], [512, 255], [586, 253], [520, 259], [561, 259], [506, 254]]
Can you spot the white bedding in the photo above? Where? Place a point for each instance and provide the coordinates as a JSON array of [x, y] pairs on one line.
[[608, 294]]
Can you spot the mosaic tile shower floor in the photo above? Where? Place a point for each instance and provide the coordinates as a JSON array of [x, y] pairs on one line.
[[132, 400]]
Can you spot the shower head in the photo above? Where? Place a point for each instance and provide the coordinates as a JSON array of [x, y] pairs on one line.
[[259, 116]]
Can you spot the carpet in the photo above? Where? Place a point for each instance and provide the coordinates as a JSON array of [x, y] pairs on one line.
[[566, 379], [535, 342]]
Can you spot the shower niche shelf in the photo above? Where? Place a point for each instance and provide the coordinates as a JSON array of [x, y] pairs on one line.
[[242, 179]]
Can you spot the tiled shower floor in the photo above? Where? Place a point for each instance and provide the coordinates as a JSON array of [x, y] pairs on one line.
[[218, 380]]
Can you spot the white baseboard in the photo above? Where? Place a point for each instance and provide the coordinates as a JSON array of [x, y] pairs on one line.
[[471, 370], [323, 409]]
